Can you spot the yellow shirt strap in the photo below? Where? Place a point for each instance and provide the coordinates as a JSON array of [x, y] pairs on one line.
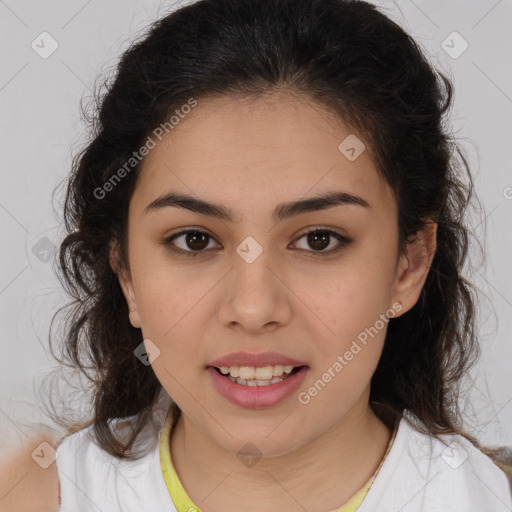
[[179, 496]]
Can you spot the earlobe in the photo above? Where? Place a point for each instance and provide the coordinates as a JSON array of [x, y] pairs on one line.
[[414, 266]]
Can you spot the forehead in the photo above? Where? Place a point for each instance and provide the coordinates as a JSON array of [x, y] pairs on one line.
[[246, 151]]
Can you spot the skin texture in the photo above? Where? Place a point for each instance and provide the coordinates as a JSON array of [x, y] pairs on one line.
[[24, 484], [249, 156]]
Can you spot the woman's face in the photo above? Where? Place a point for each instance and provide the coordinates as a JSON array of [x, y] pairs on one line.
[[256, 282]]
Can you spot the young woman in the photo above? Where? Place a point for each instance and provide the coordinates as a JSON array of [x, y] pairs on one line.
[[266, 237]]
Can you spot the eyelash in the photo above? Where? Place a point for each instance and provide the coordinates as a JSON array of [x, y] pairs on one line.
[[344, 242]]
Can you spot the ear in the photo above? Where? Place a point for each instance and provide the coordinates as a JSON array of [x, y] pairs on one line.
[[125, 281], [414, 265]]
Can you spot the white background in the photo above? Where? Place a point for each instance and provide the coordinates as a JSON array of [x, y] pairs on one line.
[[41, 130]]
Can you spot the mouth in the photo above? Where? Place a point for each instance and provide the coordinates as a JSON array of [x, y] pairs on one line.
[[257, 387], [258, 376]]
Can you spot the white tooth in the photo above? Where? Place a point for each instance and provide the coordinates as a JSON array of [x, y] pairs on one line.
[[262, 382], [264, 373], [246, 372], [278, 370], [259, 373], [256, 383]]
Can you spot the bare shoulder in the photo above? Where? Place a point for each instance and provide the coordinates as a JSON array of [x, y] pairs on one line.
[[28, 476]]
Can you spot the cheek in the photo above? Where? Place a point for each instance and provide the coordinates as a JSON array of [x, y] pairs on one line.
[[348, 296], [347, 354], [173, 322], [349, 308], [174, 307], [367, 282], [167, 293]]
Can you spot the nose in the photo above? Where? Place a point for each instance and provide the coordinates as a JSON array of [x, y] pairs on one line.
[[255, 296]]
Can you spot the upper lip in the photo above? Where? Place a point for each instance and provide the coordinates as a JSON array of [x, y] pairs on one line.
[[255, 360]]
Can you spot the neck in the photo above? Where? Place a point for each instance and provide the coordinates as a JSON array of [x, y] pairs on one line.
[[333, 467]]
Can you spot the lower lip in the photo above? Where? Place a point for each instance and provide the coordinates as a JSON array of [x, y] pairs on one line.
[[257, 397]]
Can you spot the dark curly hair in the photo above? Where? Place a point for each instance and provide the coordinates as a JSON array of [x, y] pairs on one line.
[[346, 55]]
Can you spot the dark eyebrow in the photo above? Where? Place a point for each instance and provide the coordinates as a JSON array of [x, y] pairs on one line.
[[282, 211]]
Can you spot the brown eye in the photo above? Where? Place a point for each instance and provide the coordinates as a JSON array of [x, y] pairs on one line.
[[194, 242], [320, 239]]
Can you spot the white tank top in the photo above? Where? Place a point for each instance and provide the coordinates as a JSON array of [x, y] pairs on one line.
[[419, 474], [91, 480]]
